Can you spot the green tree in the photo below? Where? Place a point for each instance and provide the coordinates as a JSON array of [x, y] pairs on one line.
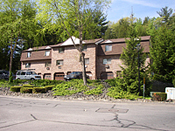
[[140, 28], [165, 13], [134, 61], [97, 26], [13, 24], [72, 15], [162, 53], [171, 22]]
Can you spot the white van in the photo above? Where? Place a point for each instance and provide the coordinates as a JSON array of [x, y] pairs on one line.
[[27, 74]]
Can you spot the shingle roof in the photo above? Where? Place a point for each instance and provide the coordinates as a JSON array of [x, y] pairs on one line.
[[35, 55], [123, 39]]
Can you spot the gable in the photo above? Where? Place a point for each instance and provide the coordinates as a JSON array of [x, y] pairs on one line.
[[69, 41]]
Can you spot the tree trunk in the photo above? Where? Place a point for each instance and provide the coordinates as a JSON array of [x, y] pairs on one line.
[[84, 69], [82, 55], [10, 64], [11, 57]]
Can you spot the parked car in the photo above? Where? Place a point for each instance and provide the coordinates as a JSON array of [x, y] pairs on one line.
[[4, 74], [27, 74], [73, 75]]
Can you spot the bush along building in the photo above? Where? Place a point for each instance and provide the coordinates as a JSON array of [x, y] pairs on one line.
[[102, 58]]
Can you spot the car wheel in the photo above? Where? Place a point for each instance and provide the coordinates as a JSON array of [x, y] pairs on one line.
[[32, 79]]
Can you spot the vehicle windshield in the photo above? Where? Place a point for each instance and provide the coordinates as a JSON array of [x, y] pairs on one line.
[[33, 73]]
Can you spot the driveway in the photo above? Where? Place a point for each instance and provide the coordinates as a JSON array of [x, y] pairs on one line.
[[31, 114]]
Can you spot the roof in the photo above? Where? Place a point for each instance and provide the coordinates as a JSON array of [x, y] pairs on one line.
[[119, 44], [35, 55], [123, 40], [68, 42]]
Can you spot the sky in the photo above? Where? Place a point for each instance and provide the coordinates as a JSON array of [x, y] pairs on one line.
[[141, 8]]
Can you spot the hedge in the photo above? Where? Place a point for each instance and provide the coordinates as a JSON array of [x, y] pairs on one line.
[[49, 87], [26, 90], [15, 88], [39, 90], [27, 85], [159, 96]]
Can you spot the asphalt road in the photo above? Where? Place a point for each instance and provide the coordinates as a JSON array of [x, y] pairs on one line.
[[29, 114]]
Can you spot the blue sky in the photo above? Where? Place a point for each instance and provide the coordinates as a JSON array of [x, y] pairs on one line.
[[141, 8]]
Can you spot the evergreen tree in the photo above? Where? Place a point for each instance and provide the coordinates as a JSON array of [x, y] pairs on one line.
[[165, 13], [134, 62], [162, 53]]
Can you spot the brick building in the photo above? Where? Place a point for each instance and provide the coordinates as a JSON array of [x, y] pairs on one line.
[[101, 58]]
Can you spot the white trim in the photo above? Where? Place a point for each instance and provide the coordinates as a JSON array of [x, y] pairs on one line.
[[48, 47], [30, 49], [99, 42], [108, 41], [69, 41]]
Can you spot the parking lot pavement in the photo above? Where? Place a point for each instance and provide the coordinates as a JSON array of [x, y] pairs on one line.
[[31, 114]]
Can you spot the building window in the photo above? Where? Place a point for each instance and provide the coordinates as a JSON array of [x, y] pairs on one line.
[[28, 54], [84, 48], [86, 61], [59, 62], [47, 53], [47, 64], [107, 61], [27, 65], [61, 50], [108, 48]]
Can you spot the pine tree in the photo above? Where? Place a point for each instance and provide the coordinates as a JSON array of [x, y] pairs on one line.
[[134, 62], [162, 52]]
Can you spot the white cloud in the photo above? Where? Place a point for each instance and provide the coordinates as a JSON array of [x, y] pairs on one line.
[[143, 3]]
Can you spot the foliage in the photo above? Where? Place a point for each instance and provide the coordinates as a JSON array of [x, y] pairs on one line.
[[74, 17], [27, 85], [159, 96], [133, 60], [75, 86], [69, 87], [96, 91], [49, 87], [173, 81], [119, 90], [4, 83], [162, 52], [118, 93], [15, 21], [97, 87], [15, 88], [39, 90], [45, 82], [26, 90], [165, 13]]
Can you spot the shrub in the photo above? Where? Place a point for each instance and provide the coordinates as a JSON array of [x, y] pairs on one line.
[[118, 93], [27, 85], [173, 81], [26, 90], [95, 91], [111, 82], [4, 83], [159, 96], [49, 87], [69, 87], [15, 88], [45, 82], [39, 90]]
